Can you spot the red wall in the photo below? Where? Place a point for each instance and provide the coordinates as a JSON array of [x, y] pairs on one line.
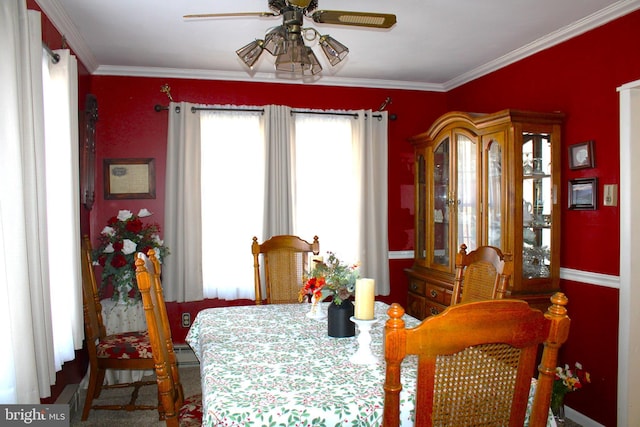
[[579, 77]]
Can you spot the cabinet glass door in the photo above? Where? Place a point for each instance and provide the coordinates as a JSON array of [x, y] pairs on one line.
[[494, 200], [441, 203], [537, 205], [421, 249], [467, 192]]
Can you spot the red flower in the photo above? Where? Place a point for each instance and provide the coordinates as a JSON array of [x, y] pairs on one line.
[[118, 261], [102, 260], [112, 221], [117, 246], [134, 226]]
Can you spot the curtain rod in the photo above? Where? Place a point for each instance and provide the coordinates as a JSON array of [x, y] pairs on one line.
[[159, 108], [55, 58]]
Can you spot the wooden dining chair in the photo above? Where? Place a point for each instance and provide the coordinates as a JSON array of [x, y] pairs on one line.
[[129, 350], [475, 363], [285, 260], [175, 409], [480, 275]]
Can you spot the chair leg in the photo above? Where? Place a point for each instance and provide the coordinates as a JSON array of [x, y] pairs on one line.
[[99, 382], [91, 392]]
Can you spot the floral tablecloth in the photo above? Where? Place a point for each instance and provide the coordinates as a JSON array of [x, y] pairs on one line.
[[270, 365]]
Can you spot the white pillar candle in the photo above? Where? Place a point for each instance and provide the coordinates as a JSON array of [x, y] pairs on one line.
[[364, 299], [316, 260]]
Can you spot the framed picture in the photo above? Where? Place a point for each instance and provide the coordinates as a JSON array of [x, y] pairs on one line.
[[129, 178], [581, 155], [583, 194]]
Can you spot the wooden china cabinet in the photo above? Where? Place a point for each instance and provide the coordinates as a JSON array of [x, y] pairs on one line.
[[487, 179]]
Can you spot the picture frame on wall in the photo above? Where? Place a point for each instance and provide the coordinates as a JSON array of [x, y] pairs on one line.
[[129, 178], [581, 155], [583, 194]]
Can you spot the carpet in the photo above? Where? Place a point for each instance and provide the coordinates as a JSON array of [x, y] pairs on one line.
[[189, 377]]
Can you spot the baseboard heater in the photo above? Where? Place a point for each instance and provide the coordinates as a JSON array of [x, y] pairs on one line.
[[185, 356]]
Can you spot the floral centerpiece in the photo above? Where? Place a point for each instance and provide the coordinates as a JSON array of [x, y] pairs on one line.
[[331, 278], [124, 236], [566, 381]]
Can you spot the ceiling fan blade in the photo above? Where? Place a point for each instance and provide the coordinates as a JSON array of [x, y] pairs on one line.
[[359, 19], [228, 15]]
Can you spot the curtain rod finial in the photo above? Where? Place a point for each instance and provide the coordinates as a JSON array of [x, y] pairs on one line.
[[166, 89]]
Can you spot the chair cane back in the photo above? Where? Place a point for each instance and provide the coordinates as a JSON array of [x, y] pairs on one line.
[[285, 261], [175, 409], [482, 274], [129, 350], [475, 363]]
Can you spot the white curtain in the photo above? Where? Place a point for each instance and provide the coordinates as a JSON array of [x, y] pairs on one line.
[[36, 340], [342, 188], [279, 188], [370, 145], [182, 269], [63, 196]]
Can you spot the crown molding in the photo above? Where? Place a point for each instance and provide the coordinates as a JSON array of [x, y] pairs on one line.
[[113, 70], [588, 23]]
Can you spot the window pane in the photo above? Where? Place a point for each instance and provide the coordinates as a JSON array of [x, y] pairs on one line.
[[325, 202], [232, 171]]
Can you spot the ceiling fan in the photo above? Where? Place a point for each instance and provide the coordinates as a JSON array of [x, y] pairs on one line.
[[286, 42]]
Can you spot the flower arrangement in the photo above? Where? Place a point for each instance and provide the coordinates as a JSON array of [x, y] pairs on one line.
[[333, 278], [567, 380], [124, 235]]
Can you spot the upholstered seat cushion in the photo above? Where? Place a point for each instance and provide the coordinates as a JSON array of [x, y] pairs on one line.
[[128, 345], [191, 411]]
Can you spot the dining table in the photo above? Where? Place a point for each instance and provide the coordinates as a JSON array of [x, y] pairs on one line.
[[271, 365]]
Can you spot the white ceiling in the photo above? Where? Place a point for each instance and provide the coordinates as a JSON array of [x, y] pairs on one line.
[[435, 45]]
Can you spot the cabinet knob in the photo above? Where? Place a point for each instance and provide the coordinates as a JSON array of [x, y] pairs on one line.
[[434, 311], [414, 287], [433, 293]]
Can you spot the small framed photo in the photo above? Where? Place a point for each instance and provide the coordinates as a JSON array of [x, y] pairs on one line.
[[129, 178], [581, 155], [583, 194]]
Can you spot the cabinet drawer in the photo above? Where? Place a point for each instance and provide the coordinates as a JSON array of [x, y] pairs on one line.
[[438, 294], [415, 306], [432, 308], [417, 287]]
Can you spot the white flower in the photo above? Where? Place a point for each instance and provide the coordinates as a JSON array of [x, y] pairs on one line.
[[108, 231], [144, 213], [109, 249], [157, 241], [128, 247], [124, 215]]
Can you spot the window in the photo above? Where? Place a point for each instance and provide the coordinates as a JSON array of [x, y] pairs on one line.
[[232, 174], [326, 202], [233, 192]]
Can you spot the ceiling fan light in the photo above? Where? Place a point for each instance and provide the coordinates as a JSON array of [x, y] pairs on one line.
[[295, 59], [275, 41], [250, 53], [333, 49], [315, 64]]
